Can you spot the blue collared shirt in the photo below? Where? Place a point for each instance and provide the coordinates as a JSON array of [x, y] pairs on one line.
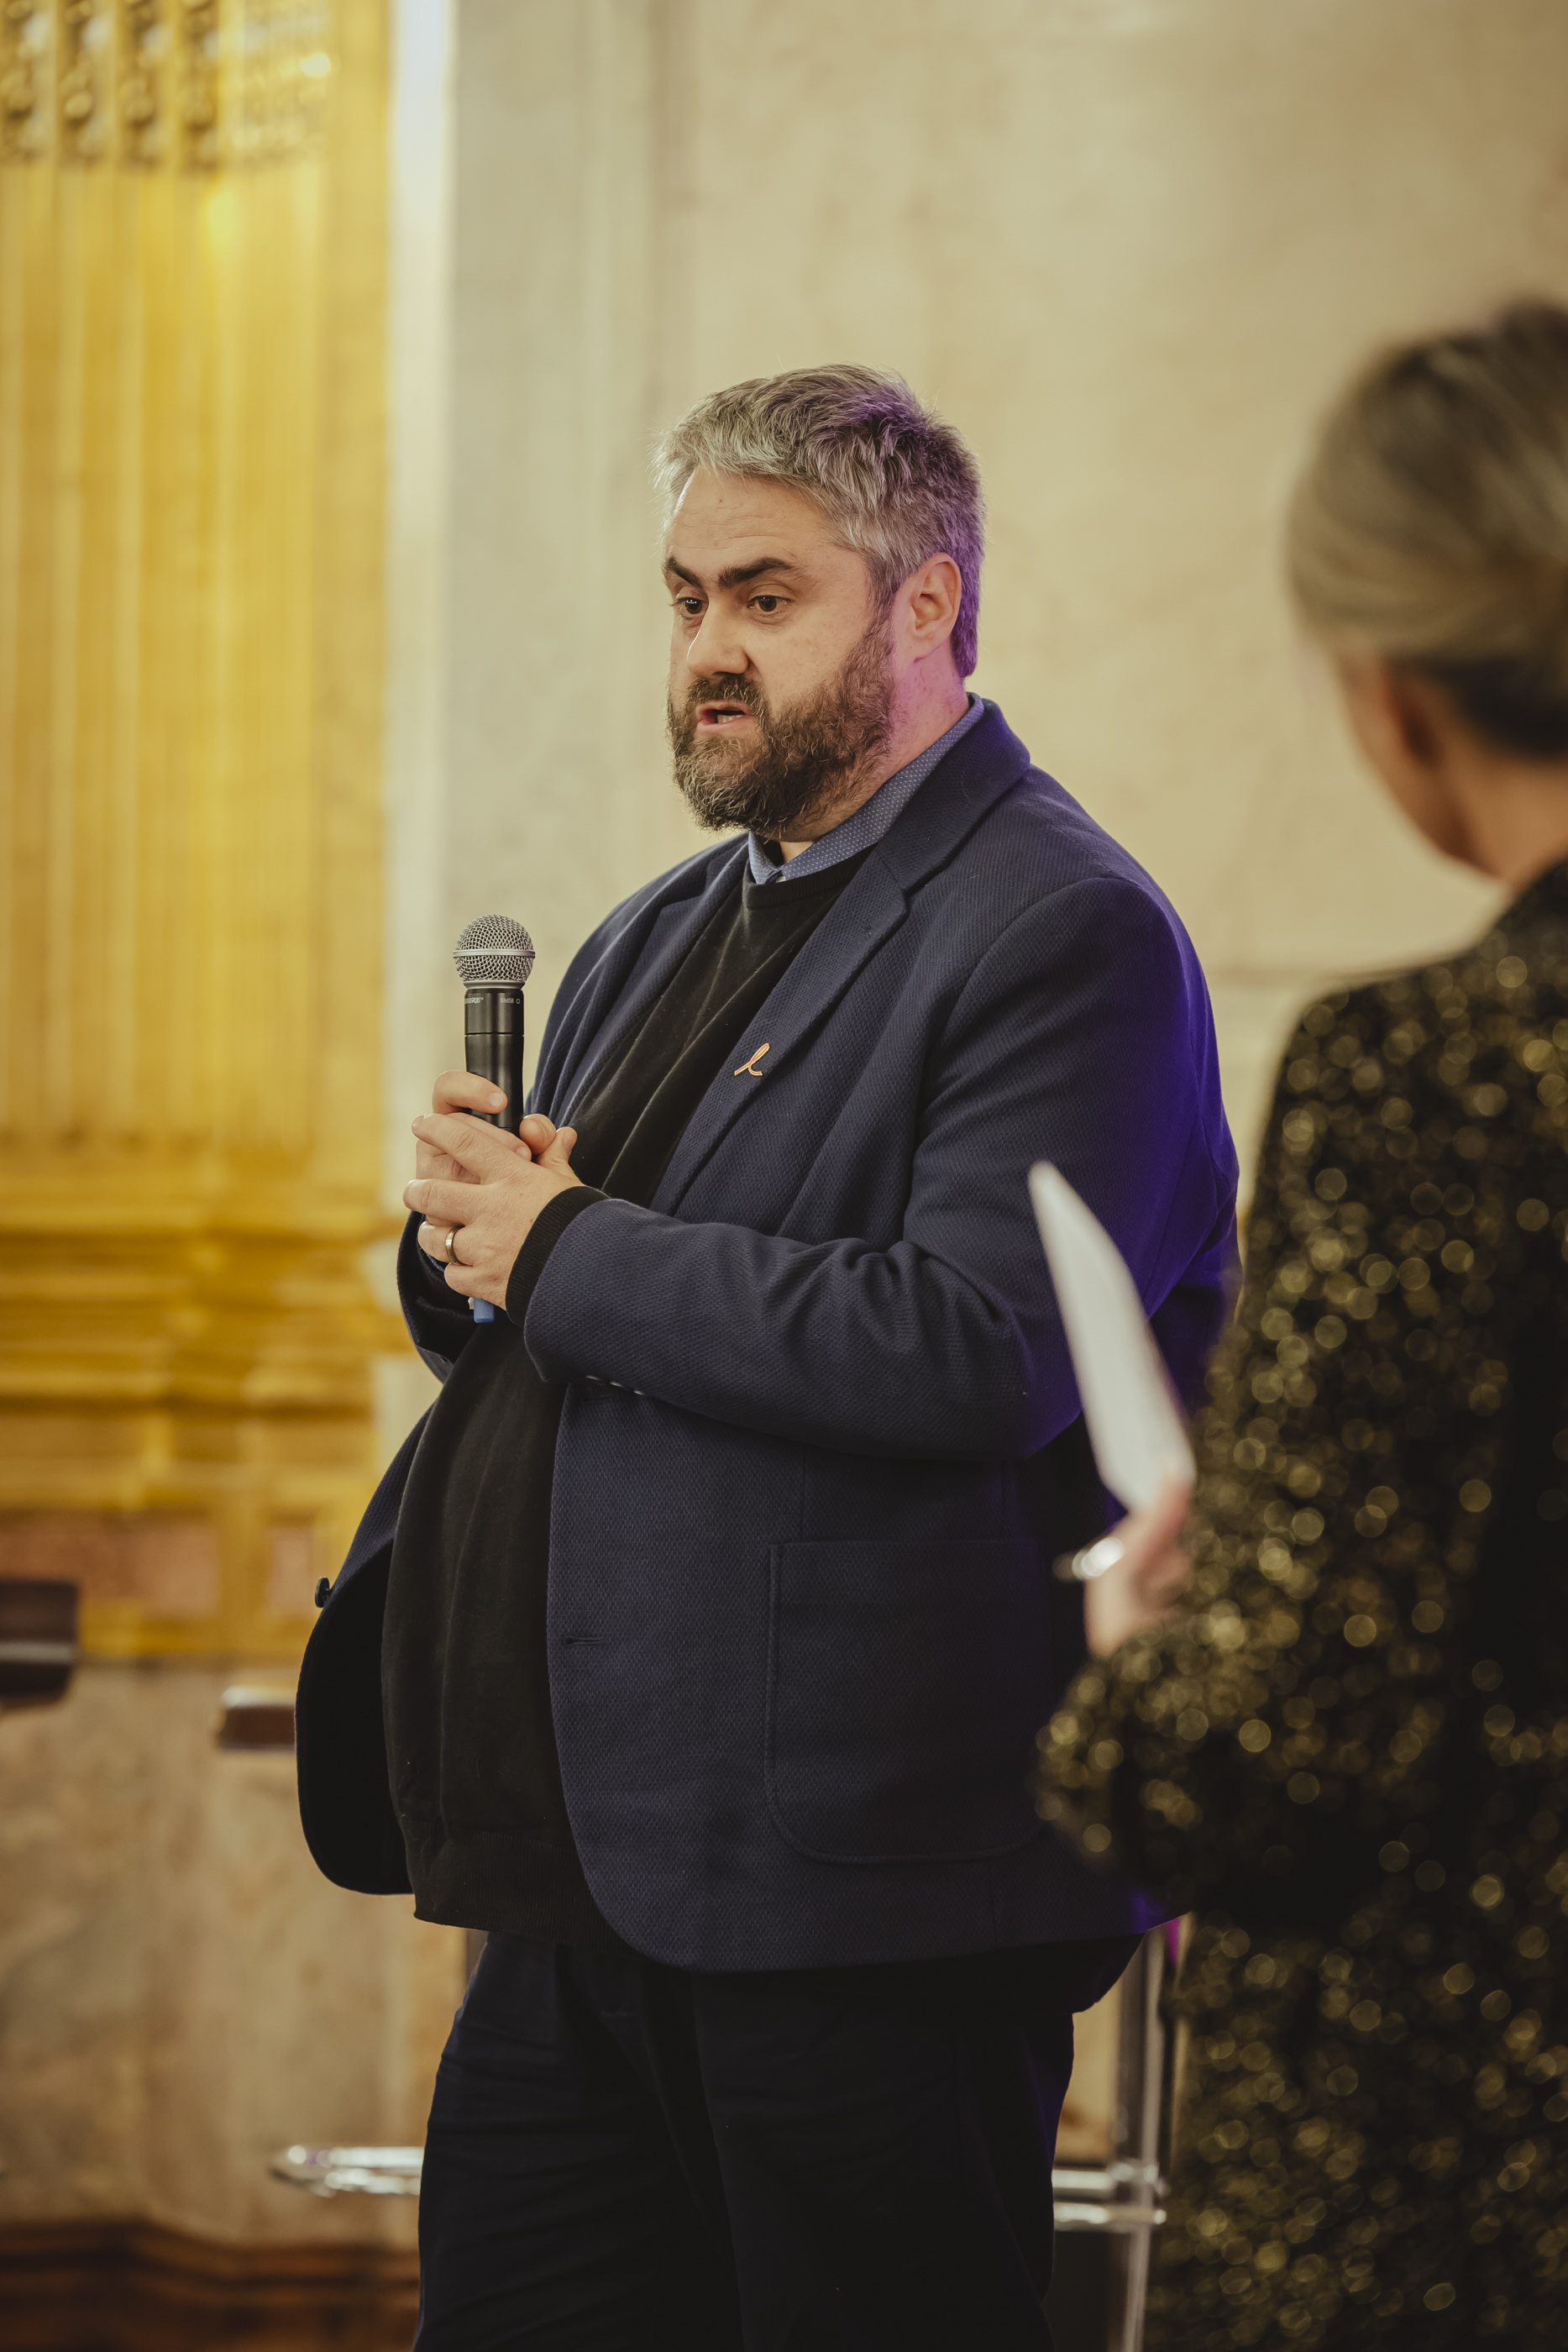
[[870, 822]]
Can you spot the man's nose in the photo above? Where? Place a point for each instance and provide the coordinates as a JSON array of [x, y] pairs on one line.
[[716, 651]]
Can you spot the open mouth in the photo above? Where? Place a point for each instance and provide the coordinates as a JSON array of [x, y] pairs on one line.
[[719, 718]]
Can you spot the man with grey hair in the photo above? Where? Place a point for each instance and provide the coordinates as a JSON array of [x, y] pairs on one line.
[[695, 1647]]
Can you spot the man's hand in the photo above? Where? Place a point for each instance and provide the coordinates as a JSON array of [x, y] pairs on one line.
[[460, 1090], [488, 1185], [1143, 1585]]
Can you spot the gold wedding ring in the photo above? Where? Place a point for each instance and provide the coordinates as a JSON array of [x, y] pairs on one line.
[[451, 1256]]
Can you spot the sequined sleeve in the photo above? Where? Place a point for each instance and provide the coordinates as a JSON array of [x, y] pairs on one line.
[[1408, 1219]]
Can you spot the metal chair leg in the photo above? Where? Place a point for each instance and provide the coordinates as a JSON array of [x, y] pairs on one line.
[[1140, 2081], [1121, 2199]]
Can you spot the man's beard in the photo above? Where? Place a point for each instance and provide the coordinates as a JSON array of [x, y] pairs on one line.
[[802, 758]]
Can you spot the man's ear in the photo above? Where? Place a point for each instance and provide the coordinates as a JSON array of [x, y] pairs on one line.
[[931, 598]]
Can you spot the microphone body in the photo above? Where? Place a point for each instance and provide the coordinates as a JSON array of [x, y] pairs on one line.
[[494, 958], [493, 1048]]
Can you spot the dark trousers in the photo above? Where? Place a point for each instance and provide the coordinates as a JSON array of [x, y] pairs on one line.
[[624, 2157]]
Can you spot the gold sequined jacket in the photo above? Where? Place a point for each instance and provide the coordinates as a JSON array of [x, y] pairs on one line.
[[1348, 1753]]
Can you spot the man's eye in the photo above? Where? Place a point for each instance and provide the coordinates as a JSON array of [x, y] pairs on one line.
[[690, 605], [767, 604]]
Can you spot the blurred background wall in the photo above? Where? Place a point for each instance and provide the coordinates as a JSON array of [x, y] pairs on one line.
[[1128, 246], [330, 618]]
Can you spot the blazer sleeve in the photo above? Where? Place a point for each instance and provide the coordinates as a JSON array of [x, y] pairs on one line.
[[1288, 1725], [1082, 1037]]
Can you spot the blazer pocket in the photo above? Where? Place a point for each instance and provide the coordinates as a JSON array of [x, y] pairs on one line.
[[906, 1683]]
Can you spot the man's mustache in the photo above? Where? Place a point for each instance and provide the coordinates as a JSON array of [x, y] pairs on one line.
[[738, 690]]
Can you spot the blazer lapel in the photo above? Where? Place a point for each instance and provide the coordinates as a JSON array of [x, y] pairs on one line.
[[955, 797]]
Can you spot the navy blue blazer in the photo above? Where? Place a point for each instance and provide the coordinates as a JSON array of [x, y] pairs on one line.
[[820, 1439]]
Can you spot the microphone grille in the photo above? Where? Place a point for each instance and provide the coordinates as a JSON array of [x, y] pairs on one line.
[[493, 952]]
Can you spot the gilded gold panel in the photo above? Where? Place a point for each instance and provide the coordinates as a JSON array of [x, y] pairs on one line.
[[191, 236]]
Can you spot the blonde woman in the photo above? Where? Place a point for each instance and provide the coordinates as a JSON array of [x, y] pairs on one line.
[[1346, 1751]]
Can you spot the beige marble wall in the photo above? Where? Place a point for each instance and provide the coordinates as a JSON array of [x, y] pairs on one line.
[[181, 1992], [1129, 246]]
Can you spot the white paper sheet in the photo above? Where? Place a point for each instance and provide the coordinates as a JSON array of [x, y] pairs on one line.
[[1135, 1424]]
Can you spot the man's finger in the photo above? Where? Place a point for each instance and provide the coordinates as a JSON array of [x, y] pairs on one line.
[[441, 1202], [467, 1141], [462, 1090], [562, 1146], [513, 1143], [432, 1239], [537, 1131]]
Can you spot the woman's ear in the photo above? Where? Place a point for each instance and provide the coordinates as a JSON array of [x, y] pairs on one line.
[[1425, 719], [1409, 732], [1386, 717]]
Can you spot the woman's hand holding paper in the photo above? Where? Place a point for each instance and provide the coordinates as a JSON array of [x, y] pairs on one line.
[[1141, 1585]]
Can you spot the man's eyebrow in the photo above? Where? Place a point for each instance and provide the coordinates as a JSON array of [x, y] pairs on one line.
[[734, 575]]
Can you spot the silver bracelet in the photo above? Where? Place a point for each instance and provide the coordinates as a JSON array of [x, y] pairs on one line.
[[1095, 1559]]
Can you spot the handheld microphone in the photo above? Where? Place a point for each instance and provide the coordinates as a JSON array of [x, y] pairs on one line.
[[494, 958]]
